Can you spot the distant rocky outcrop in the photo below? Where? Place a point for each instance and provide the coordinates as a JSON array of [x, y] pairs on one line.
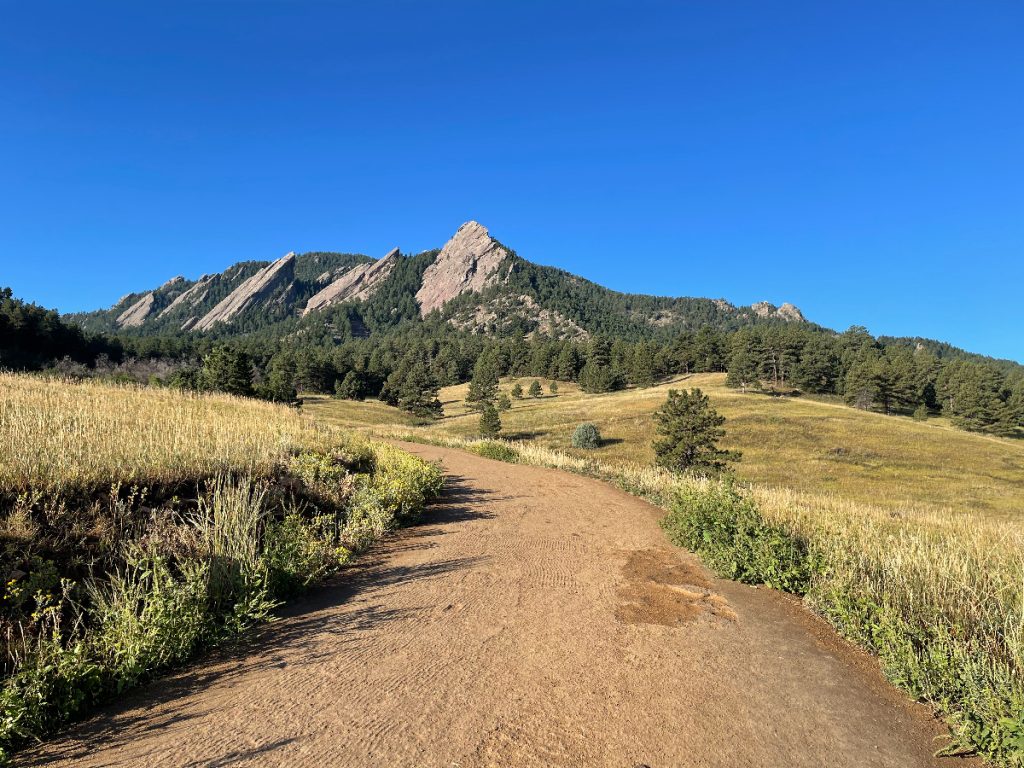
[[468, 262], [357, 284], [787, 312], [137, 313], [271, 279]]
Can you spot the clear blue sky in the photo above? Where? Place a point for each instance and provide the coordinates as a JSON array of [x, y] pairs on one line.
[[864, 161]]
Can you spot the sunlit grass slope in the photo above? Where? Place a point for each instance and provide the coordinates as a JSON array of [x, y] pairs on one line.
[[794, 444], [63, 436]]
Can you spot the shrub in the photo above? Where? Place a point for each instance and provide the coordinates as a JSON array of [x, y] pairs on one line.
[[587, 436], [492, 449], [728, 532]]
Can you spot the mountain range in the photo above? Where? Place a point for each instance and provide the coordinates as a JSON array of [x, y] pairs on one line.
[[473, 282]]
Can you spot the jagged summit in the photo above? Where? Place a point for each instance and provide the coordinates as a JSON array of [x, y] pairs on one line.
[[468, 262]]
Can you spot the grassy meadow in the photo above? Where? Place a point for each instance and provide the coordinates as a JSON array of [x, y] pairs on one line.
[[788, 444], [907, 536]]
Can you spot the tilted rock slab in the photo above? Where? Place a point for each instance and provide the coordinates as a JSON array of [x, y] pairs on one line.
[[358, 284], [251, 292], [195, 294], [137, 313], [468, 262]]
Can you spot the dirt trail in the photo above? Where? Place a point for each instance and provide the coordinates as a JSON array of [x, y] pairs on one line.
[[535, 619]]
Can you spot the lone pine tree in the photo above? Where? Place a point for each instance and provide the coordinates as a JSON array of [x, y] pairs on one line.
[[490, 421], [483, 387], [689, 430]]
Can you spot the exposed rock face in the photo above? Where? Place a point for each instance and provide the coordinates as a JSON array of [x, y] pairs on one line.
[[790, 312], [468, 262], [358, 284], [260, 286], [192, 296], [137, 313], [786, 312], [172, 283]]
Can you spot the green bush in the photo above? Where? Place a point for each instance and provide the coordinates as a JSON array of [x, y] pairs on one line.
[[587, 436], [732, 538], [493, 449]]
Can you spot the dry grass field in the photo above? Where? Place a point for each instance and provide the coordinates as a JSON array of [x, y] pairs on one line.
[[788, 444], [79, 436]]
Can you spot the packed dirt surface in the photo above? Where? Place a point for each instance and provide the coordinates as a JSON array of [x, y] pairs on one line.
[[534, 619]]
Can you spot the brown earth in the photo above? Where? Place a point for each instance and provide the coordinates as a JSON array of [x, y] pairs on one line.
[[534, 619]]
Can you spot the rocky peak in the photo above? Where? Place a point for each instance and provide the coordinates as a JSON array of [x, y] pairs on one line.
[[791, 312], [260, 286], [468, 262], [357, 284], [787, 312]]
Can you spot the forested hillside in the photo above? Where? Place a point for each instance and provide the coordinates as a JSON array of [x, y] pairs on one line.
[[32, 337]]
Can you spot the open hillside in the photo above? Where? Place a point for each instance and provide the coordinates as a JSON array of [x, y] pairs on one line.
[[796, 443]]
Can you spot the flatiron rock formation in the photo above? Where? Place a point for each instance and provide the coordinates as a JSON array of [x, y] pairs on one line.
[[468, 262], [260, 286], [357, 284]]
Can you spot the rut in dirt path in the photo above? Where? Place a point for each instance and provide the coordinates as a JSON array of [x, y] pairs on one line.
[[535, 619]]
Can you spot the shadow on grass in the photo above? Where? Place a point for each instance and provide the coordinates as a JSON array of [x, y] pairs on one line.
[[330, 623]]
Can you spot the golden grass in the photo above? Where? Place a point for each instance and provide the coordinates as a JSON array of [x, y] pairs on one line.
[[797, 445], [66, 436]]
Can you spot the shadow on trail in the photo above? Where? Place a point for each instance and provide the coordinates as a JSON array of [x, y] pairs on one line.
[[287, 643]]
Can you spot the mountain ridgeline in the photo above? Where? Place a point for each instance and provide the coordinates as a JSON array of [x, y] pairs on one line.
[[399, 327], [474, 283]]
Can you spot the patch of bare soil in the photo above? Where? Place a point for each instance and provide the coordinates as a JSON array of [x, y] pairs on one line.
[[535, 619], [659, 588]]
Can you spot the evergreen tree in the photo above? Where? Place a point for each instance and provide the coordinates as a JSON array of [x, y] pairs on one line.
[[490, 421], [644, 367], [351, 387], [517, 391], [417, 392], [708, 351], [744, 362], [483, 388], [503, 404], [227, 370], [280, 383], [597, 375], [535, 390], [861, 386], [553, 388], [567, 366], [689, 429], [818, 366]]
